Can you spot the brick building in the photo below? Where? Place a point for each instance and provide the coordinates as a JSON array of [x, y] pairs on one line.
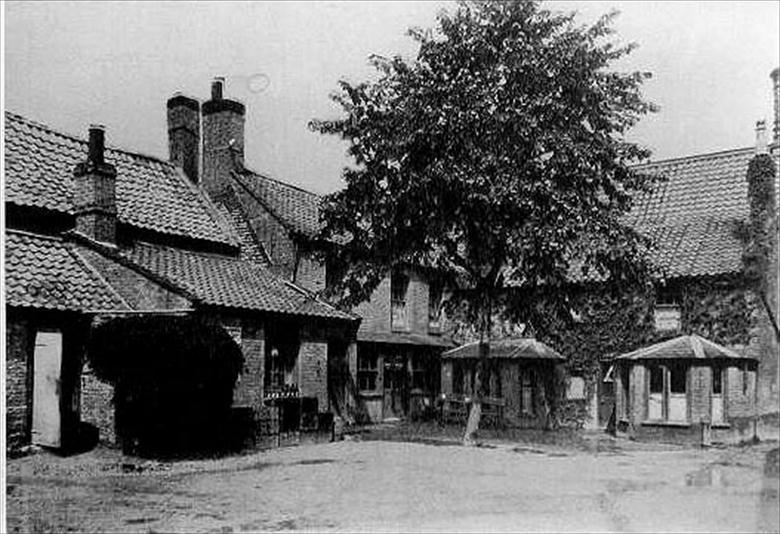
[[696, 217], [392, 371], [686, 388], [95, 236]]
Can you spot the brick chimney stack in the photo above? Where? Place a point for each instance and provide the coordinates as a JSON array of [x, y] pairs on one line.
[[94, 199], [761, 137], [184, 134], [223, 138], [776, 91]]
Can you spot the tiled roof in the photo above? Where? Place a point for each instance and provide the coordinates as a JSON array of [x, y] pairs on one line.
[[404, 338], [151, 194], [47, 272], [684, 347], [229, 282], [296, 209], [525, 348], [693, 215], [251, 247]]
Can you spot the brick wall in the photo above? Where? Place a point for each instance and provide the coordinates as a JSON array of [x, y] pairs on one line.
[[699, 389], [637, 391], [740, 401], [18, 402], [313, 371], [376, 312], [249, 335], [311, 273], [97, 406]]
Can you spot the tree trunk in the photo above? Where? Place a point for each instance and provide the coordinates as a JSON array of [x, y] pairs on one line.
[[475, 414]]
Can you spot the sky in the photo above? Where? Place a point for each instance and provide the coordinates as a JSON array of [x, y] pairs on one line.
[[70, 64]]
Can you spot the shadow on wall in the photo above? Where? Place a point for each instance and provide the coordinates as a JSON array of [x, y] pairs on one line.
[[173, 381]]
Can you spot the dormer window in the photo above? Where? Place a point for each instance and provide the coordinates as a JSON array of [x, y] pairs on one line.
[[667, 309], [399, 285], [435, 293]]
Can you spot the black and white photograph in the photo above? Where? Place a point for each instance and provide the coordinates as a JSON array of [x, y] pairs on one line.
[[390, 266]]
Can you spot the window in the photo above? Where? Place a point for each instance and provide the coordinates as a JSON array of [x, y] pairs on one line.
[[656, 380], [281, 355], [667, 392], [421, 372], [399, 283], [575, 388], [745, 378], [434, 305], [368, 370], [527, 391], [667, 309], [457, 378], [717, 381]]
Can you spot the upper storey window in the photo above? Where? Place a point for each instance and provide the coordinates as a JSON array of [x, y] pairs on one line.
[[667, 309], [434, 306], [399, 285]]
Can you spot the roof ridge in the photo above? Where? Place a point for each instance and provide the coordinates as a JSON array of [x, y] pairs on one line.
[[72, 137], [281, 182], [33, 234], [702, 155]]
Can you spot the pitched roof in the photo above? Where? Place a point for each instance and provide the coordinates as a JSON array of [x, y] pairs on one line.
[[683, 347], [47, 273], [295, 208], [229, 282], [693, 215], [151, 194], [404, 338], [513, 349]]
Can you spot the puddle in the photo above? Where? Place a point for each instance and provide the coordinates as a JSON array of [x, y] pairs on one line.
[[316, 461], [707, 476], [528, 450], [139, 520]]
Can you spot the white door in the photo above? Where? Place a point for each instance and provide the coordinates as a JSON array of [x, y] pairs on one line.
[[678, 407], [47, 364], [655, 403]]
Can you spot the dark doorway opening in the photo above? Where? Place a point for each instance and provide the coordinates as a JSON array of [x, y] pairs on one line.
[[173, 383]]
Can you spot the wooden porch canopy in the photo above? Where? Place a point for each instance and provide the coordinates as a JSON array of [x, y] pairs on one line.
[[684, 347], [508, 349]]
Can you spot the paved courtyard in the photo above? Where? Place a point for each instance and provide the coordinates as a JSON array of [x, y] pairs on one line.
[[399, 486]]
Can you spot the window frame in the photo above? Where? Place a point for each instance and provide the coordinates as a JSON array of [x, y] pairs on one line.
[[435, 299], [369, 372], [399, 292]]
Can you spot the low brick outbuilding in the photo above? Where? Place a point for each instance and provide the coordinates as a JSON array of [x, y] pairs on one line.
[[686, 389]]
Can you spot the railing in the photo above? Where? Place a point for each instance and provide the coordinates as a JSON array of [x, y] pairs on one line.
[[455, 408]]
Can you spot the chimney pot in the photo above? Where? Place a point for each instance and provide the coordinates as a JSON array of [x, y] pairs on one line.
[[97, 144], [216, 88]]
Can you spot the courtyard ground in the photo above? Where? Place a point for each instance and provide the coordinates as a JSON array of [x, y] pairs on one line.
[[577, 482]]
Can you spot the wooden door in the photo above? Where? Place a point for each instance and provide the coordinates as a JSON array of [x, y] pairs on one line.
[[394, 384], [47, 366]]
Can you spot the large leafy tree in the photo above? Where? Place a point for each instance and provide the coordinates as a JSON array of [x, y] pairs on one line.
[[497, 155]]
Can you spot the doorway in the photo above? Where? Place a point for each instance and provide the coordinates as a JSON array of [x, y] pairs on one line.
[[47, 390], [395, 386]]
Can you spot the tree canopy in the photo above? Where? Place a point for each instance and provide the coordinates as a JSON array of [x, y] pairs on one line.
[[497, 153]]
